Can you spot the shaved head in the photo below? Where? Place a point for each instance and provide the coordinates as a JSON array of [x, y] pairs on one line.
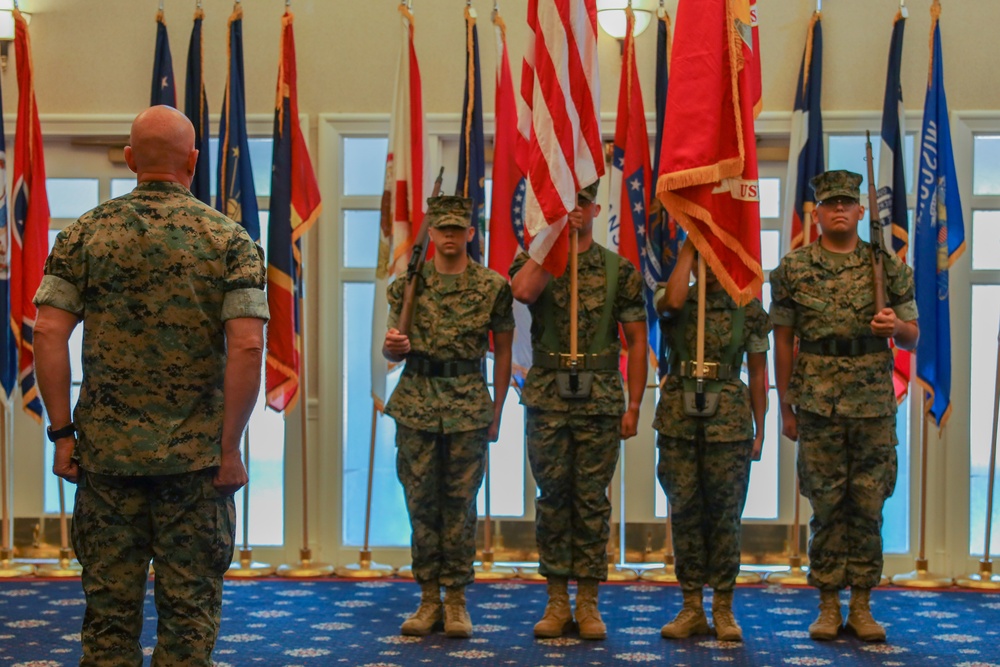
[[161, 146]]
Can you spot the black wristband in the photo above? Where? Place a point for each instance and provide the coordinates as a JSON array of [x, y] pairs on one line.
[[64, 432]]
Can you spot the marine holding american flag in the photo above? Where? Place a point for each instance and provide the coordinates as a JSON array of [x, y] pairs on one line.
[[574, 429]]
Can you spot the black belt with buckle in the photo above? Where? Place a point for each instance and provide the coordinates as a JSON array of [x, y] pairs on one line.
[[584, 362], [442, 369], [713, 370], [844, 347]]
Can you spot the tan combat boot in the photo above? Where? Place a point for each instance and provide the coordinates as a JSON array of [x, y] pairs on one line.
[[827, 624], [428, 615], [456, 618], [859, 617], [557, 618], [726, 627], [588, 616], [690, 620]]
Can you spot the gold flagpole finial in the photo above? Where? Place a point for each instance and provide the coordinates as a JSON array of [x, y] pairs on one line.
[[197, 5], [819, 5]]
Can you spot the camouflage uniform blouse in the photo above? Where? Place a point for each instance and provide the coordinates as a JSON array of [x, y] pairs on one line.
[[451, 321], [820, 299], [153, 275], [607, 396], [734, 420]]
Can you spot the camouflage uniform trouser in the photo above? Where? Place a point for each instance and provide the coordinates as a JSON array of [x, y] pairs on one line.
[[706, 483], [188, 530], [441, 475], [573, 459], [847, 468]]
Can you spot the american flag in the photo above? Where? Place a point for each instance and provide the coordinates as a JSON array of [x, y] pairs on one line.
[[561, 91]]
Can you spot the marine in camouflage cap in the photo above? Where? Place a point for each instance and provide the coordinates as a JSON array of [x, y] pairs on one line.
[[589, 193], [837, 183], [449, 211]]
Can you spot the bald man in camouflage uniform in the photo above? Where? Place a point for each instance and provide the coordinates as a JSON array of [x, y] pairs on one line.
[[572, 439], [837, 396], [171, 295], [704, 465], [445, 418]]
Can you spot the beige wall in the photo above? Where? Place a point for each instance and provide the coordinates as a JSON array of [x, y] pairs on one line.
[[95, 56]]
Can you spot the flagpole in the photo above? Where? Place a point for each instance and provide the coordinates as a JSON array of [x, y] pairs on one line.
[[246, 567], [365, 568], [922, 577], [616, 571], [66, 567], [8, 568], [985, 579], [487, 570], [305, 568], [795, 575]]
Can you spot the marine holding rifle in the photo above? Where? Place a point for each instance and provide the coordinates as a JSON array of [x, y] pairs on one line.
[[707, 433], [577, 414], [837, 396], [444, 415]]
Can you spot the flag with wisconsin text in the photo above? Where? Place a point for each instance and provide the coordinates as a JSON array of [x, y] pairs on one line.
[[295, 207], [560, 86], [196, 109], [509, 190], [628, 217], [471, 149], [236, 197], [805, 155], [939, 237], [892, 207], [403, 198], [30, 233], [708, 163], [162, 90]]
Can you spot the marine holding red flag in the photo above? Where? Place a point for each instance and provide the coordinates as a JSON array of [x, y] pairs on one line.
[[708, 170], [295, 207], [31, 219]]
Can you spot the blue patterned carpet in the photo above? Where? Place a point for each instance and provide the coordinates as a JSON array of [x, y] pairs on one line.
[[283, 623]]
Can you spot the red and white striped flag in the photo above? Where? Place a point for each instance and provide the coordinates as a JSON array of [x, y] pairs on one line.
[[561, 90], [403, 198]]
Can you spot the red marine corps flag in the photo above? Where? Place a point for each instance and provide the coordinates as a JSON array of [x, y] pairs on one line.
[[708, 172], [30, 231], [560, 87], [404, 195], [295, 206]]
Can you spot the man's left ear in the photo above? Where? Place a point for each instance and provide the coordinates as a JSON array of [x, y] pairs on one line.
[[470, 233]]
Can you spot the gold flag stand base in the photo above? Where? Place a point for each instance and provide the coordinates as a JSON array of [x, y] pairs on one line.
[[663, 575], [795, 575], [984, 580], [405, 572], [922, 578], [305, 568], [488, 570], [748, 577], [66, 567], [10, 570], [365, 568], [530, 573], [618, 572], [247, 568]]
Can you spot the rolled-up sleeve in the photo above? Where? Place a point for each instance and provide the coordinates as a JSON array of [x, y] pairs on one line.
[[245, 279], [64, 280]]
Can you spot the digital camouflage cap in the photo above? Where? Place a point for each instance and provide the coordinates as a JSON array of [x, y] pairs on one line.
[[449, 211], [590, 192], [837, 183]]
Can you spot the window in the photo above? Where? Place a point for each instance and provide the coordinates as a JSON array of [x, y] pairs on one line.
[[71, 197]]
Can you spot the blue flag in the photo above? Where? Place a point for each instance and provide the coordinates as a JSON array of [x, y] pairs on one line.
[[196, 109], [8, 346], [236, 198], [471, 154], [939, 239], [162, 90], [805, 156], [665, 235]]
